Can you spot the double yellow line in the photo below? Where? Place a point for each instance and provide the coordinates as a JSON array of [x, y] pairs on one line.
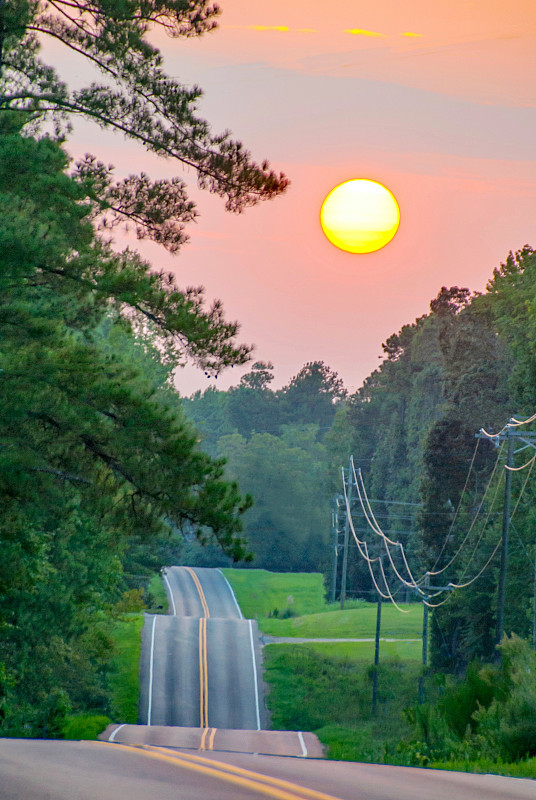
[[245, 778], [199, 590], [203, 663], [211, 733]]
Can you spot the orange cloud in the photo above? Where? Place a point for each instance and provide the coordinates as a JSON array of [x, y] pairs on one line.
[[412, 35], [281, 28], [361, 32]]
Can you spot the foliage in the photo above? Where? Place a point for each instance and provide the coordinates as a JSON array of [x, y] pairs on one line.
[[332, 696], [133, 95], [490, 713], [84, 726], [96, 461], [123, 678]]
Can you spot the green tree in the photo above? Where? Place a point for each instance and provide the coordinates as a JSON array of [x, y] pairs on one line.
[[93, 454], [134, 97]]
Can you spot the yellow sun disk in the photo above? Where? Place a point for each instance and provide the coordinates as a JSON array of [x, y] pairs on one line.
[[360, 216]]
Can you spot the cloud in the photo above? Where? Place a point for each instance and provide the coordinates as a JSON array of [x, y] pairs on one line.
[[361, 32], [279, 28], [411, 35]]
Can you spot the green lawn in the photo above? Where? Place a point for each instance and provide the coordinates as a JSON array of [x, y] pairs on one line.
[[357, 623], [261, 593]]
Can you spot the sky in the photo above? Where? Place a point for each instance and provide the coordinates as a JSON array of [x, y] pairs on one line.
[[435, 99]]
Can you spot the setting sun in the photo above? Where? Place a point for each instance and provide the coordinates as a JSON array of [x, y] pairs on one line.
[[360, 216]]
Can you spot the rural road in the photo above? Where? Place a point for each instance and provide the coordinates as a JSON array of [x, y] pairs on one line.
[[200, 664], [58, 770]]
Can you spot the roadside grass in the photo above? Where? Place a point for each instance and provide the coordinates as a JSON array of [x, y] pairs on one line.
[[123, 679], [354, 623], [363, 652], [156, 598], [328, 689], [484, 766]]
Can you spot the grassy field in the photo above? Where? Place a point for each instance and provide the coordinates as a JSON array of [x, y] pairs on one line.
[[260, 593], [328, 689]]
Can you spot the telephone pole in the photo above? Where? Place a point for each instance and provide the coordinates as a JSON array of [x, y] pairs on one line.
[[426, 611], [510, 435], [504, 548], [349, 493], [376, 653]]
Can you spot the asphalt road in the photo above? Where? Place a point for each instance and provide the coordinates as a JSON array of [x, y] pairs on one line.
[[200, 665], [57, 770]]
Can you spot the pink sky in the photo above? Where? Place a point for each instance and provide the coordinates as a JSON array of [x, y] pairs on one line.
[[444, 117]]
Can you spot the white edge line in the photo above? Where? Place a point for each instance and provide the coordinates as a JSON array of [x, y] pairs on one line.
[[303, 747], [112, 735], [150, 702], [232, 593], [255, 684], [164, 575]]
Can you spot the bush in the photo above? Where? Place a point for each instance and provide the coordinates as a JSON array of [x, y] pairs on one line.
[[84, 726]]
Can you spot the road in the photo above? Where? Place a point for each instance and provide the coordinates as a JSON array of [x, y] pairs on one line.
[[204, 669], [200, 665], [57, 770]]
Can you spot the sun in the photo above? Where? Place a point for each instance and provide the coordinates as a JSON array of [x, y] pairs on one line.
[[360, 216]]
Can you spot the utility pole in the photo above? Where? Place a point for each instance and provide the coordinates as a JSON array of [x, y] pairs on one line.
[[426, 610], [349, 493], [334, 546], [504, 549], [534, 602], [528, 438], [376, 654]]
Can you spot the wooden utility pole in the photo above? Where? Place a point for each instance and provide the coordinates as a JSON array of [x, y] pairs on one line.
[[334, 546], [528, 438], [425, 615], [376, 654], [534, 602], [505, 533], [349, 493]]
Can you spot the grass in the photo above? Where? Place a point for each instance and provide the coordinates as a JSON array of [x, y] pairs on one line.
[[261, 593], [356, 623], [157, 599], [484, 766], [328, 689], [363, 652], [124, 668]]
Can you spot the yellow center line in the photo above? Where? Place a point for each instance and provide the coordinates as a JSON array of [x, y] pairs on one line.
[[200, 591], [211, 739], [203, 738], [203, 673], [263, 784]]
